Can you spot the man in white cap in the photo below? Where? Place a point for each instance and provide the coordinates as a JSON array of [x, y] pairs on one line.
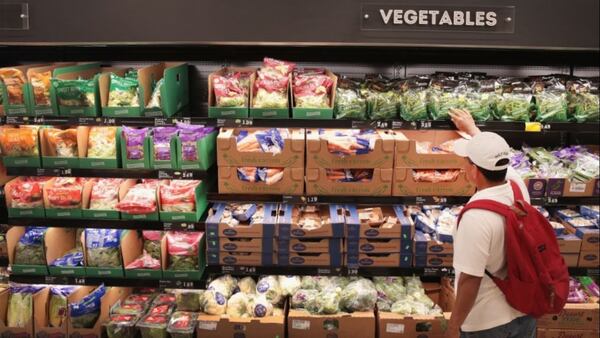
[[481, 309]]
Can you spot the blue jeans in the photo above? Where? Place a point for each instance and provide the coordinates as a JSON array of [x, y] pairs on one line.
[[522, 327]]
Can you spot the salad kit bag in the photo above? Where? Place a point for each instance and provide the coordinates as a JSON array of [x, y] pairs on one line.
[[24, 196], [271, 89], [63, 197], [16, 91], [17, 306], [99, 147], [313, 94], [20, 146], [184, 255], [27, 250], [74, 90], [142, 254], [100, 197], [102, 252], [64, 252], [60, 147], [229, 92]]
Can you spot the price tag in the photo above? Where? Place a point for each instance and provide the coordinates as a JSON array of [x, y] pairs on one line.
[[39, 120], [163, 175], [167, 226], [249, 270], [397, 124], [323, 271], [167, 283], [312, 199], [187, 175], [533, 127], [441, 200], [65, 172], [420, 200], [108, 121], [227, 269], [40, 172], [79, 281], [425, 125], [552, 200], [187, 284], [431, 272], [244, 122], [382, 124], [352, 272], [221, 122], [13, 120], [87, 121], [160, 121]]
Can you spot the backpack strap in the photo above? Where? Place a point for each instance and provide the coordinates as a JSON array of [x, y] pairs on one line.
[[517, 193], [490, 205]]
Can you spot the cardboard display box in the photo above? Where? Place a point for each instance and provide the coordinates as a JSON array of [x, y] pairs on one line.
[[12, 109], [59, 212], [23, 161], [240, 258], [112, 298], [215, 228], [317, 113], [209, 326], [195, 274], [317, 183], [571, 259], [59, 241], [425, 245], [132, 247], [215, 244], [104, 271], [589, 259], [378, 245], [405, 185], [41, 309], [143, 163], [20, 212], [355, 228], [125, 186], [175, 91], [88, 213], [229, 112], [536, 187], [86, 71], [590, 212], [573, 316], [590, 238], [50, 158], [27, 331], [173, 155], [318, 155], [394, 325], [292, 183], [302, 324], [365, 260], [408, 157], [97, 163], [272, 113], [569, 243], [288, 218], [333, 259], [200, 203], [434, 261], [13, 235], [330, 245], [558, 187], [566, 333], [36, 109], [205, 153], [291, 156]]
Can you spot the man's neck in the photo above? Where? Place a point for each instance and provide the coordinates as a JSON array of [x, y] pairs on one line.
[[487, 185]]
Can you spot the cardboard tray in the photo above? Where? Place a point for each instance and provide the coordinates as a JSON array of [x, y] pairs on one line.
[[569, 243], [379, 245], [316, 113], [292, 155], [24, 108], [333, 259], [13, 235], [405, 185], [302, 324], [20, 212], [229, 112], [314, 245], [189, 274], [573, 316], [58, 242], [292, 183], [425, 245], [84, 71], [288, 227], [201, 204], [153, 216], [28, 329], [589, 259], [48, 153], [272, 113], [590, 238], [240, 258], [132, 247], [106, 272], [433, 261], [403, 229], [559, 187], [318, 156], [571, 259], [406, 150], [215, 229], [88, 213], [317, 183], [365, 260], [59, 212], [215, 244], [143, 163]]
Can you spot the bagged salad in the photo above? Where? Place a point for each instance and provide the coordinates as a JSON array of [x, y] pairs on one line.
[[102, 142], [30, 249], [182, 325], [72, 258], [189, 300], [161, 140], [14, 80], [105, 193], [515, 103], [20, 305], [103, 247], [84, 313], [189, 135], [152, 243], [271, 85], [413, 98], [121, 326], [65, 193], [178, 195], [583, 100], [19, 142], [140, 199], [57, 305], [75, 93], [550, 99], [155, 99], [135, 140], [348, 101], [183, 248], [61, 143], [231, 89], [27, 192], [124, 90], [382, 98], [41, 82], [312, 88]]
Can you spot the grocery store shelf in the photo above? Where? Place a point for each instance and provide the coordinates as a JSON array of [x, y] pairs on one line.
[[113, 173], [109, 224], [3, 261], [584, 272], [131, 282], [299, 123]]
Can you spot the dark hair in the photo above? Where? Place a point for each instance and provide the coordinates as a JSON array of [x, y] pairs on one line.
[[496, 176]]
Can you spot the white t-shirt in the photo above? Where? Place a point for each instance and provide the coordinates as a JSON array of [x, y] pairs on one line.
[[479, 246]]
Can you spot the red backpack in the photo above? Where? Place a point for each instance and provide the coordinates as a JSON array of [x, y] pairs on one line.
[[537, 282]]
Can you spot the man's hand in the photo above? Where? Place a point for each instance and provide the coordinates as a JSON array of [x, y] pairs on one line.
[[452, 332], [464, 121]]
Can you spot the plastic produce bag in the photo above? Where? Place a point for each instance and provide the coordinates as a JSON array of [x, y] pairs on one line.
[[583, 100], [144, 261], [84, 313], [382, 99], [19, 142], [152, 243], [161, 139], [389, 288], [103, 247], [413, 101], [237, 305], [164, 298], [189, 135], [349, 175], [41, 82], [102, 142], [550, 101], [349, 104], [289, 285], [30, 249], [262, 140], [61, 143], [156, 99], [183, 250], [515, 103], [105, 194], [121, 326], [189, 300], [14, 80], [301, 297], [231, 90], [178, 195], [20, 305], [247, 285], [75, 93], [270, 288], [134, 142], [269, 176], [259, 307], [311, 282], [57, 305], [215, 302], [153, 326], [226, 285], [346, 142], [72, 258], [327, 302], [359, 295], [312, 89], [140, 199], [271, 85], [182, 325], [65, 193], [26, 192], [123, 91]]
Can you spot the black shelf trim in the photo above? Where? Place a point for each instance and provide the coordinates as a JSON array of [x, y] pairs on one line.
[[113, 173], [126, 282], [110, 224]]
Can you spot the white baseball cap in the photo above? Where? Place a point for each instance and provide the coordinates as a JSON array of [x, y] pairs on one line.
[[486, 150]]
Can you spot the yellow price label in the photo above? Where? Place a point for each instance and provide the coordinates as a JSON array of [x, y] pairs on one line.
[[534, 127]]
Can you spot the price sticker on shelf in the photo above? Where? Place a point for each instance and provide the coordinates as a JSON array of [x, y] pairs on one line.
[[165, 175], [244, 122], [65, 172], [227, 269], [187, 175], [79, 281], [108, 121], [312, 199], [39, 120], [14, 120], [425, 125], [352, 272], [552, 200], [249, 270], [321, 271], [382, 124], [397, 124], [161, 121], [533, 127], [187, 284], [87, 121]]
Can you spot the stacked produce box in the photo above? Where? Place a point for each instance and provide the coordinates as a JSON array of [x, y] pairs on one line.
[[261, 161], [309, 235], [433, 236], [241, 234], [349, 162], [378, 236], [578, 235]]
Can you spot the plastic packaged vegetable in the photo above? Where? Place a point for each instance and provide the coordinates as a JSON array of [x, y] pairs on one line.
[[84, 313], [164, 298], [182, 325], [134, 142], [161, 139], [583, 100], [215, 302], [19, 142], [155, 99], [349, 175], [61, 143], [123, 91], [515, 103], [72, 258], [75, 93], [435, 176], [65, 193], [183, 250], [270, 288], [152, 243], [20, 305], [271, 85], [103, 247], [189, 135], [301, 297], [138, 299], [140, 199], [550, 101], [144, 261], [327, 302], [57, 305], [382, 99], [135, 309], [153, 326], [121, 326], [413, 99], [30, 249], [226, 285], [178, 195], [269, 176], [247, 285], [349, 104], [102, 142], [189, 300], [105, 194], [237, 305], [289, 285], [40, 81], [346, 142], [359, 295], [161, 309], [14, 80], [262, 140], [231, 90], [312, 89], [259, 307]]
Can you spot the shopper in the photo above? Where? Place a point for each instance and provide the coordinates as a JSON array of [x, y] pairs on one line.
[[481, 309]]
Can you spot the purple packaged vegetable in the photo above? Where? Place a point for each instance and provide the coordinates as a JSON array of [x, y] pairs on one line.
[[161, 137], [189, 135], [134, 142]]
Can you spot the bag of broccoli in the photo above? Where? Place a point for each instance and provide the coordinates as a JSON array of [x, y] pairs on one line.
[[20, 305], [57, 305], [75, 93], [515, 103], [30, 249], [103, 247], [349, 104], [413, 100], [123, 91], [84, 313], [359, 295], [550, 99]]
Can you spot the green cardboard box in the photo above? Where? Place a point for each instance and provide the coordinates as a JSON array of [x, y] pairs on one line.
[[60, 162], [26, 212], [317, 113], [174, 92], [187, 275], [162, 164], [63, 213], [60, 241], [67, 271], [31, 270], [228, 112], [100, 214], [26, 161], [132, 248], [206, 148], [201, 204], [21, 109], [98, 163], [36, 109], [88, 71], [270, 113], [108, 272], [135, 164], [124, 111]]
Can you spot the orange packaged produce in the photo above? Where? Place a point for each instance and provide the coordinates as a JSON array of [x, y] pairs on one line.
[[19, 142], [41, 88], [26, 192], [61, 143], [14, 79]]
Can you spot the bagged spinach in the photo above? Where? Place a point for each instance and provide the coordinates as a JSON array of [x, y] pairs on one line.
[[413, 102], [515, 103], [84, 313], [123, 91], [550, 100], [20, 305], [349, 104], [583, 100], [57, 305], [30, 248], [75, 93], [183, 250], [152, 243], [103, 247]]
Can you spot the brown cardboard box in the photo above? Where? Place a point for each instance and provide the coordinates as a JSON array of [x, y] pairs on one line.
[[318, 155], [59, 241], [292, 183], [302, 324], [589, 259], [570, 244], [241, 258], [42, 326], [571, 259], [541, 333], [378, 245], [27, 330], [112, 296], [408, 157], [311, 244], [443, 260], [209, 326], [239, 244], [292, 155], [578, 189], [393, 325], [405, 185], [312, 259], [317, 183], [385, 260], [573, 316]]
